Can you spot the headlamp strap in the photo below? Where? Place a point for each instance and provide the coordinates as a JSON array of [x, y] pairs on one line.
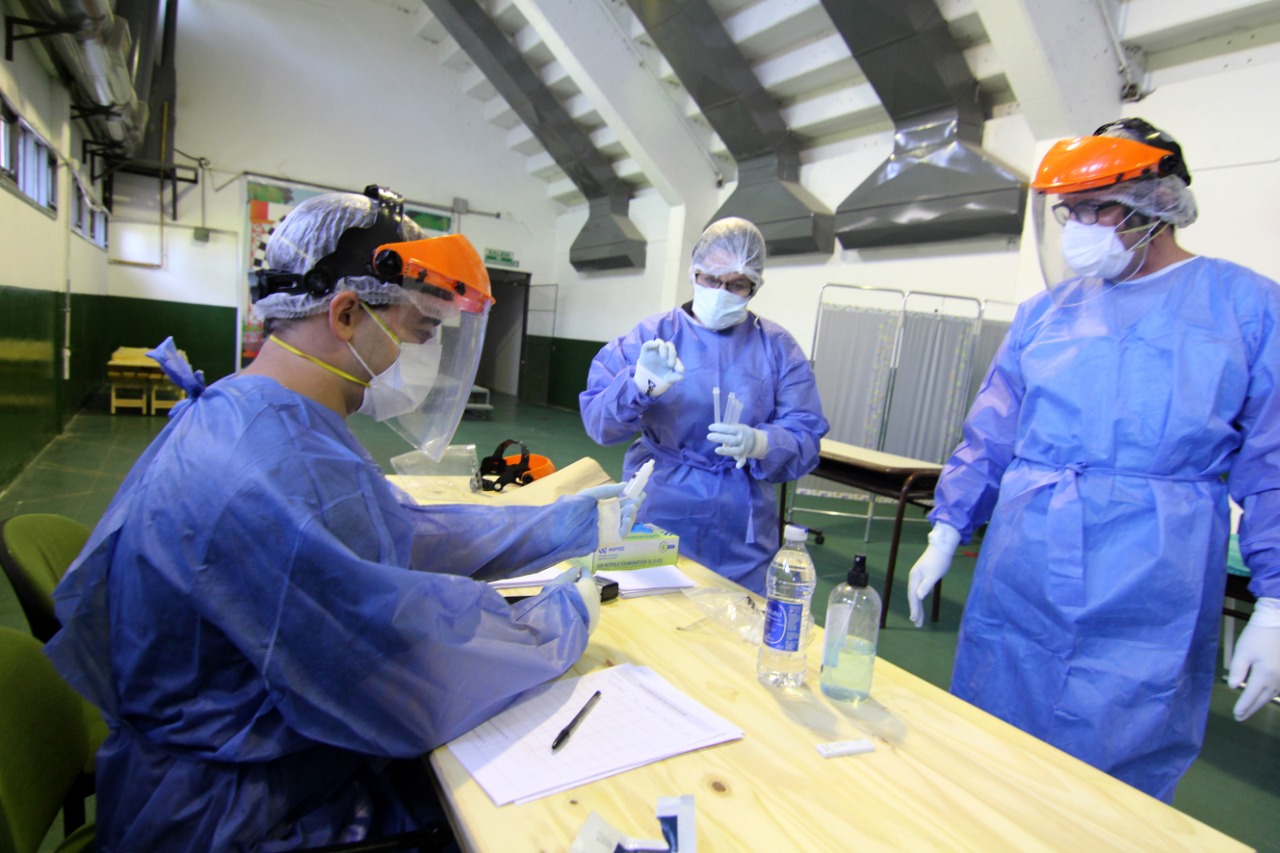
[[503, 471]]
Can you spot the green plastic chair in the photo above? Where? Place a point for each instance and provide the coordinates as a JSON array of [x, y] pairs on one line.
[[36, 550], [44, 745]]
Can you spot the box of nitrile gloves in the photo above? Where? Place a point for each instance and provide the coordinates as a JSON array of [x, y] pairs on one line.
[[646, 545]]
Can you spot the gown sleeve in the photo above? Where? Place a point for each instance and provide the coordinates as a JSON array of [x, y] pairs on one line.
[[1254, 481], [488, 542], [612, 405], [797, 426], [362, 654], [970, 481]]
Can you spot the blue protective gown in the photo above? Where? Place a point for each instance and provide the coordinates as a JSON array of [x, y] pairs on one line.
[[726, 517], [246, 618], [1102, 447]]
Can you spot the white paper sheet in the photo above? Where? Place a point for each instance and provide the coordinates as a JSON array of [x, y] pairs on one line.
[[650, 581], [639, 719]]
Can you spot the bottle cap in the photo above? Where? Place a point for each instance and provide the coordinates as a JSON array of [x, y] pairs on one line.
[[795, 533], [858, 571]]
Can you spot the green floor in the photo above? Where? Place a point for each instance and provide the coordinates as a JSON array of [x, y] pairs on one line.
[[1235, 785]]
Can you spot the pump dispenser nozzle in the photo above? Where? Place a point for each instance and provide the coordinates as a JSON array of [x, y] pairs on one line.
[[858, 571]]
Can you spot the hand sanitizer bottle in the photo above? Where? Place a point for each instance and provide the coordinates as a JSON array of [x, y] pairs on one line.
[[853, 627]]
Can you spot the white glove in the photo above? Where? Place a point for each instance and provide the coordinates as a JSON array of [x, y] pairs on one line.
[[617, 513], [658, 367], [739, 441], [929, 569], [1257, 657], [589, 592]]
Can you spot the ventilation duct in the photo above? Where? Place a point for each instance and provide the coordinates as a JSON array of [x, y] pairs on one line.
[[609, 240], [91, 48], [938, 184], [726, 90]]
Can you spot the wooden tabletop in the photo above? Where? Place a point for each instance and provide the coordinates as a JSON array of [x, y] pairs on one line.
[[944, 774], [852, 454]]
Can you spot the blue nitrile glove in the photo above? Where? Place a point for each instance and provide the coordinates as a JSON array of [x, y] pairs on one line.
[[739, 441], [588, 590], [658, 367]]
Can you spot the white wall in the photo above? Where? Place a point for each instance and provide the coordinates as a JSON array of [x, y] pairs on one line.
[[347, 93], [1229, 135], [340, 94], [40, 251]]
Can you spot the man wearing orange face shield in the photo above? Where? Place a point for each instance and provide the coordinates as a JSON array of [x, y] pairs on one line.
[[1123, 408], [268, 627]]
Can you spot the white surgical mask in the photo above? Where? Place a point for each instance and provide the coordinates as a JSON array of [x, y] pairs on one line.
[[403, 387], [717, 308], [1094, 250]]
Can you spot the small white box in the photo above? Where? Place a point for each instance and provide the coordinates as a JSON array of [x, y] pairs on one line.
[[645, 546]]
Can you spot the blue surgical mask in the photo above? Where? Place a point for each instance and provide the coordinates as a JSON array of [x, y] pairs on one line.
[[717, 308]]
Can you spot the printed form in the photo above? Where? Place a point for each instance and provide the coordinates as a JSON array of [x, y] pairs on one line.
[[640, 718]]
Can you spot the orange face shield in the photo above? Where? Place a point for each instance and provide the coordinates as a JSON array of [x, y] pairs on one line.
[[1090, 162], [449, 264]]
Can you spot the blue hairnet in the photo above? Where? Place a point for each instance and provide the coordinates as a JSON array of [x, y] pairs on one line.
[[308, 233], [728, 246]]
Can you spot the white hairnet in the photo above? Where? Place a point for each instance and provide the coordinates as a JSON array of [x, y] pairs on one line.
[[308, 233], [1167, 198], [730, 245]]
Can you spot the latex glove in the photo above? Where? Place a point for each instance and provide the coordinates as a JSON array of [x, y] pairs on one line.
[[627, 506], [1257, 658], [739, 441], [588, 590], [929, 569], [658, 367]]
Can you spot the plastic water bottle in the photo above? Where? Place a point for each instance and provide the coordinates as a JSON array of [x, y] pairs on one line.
[[853, 627], [789, 588]]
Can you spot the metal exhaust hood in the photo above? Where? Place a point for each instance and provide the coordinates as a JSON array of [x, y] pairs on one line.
[[938, 184], [609, 240], [725, 87]]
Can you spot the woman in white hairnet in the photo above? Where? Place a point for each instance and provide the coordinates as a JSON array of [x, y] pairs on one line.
[[246, 614], [713, 482], [1124, 406]]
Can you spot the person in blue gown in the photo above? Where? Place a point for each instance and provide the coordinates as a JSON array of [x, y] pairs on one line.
[[275, 634], [1123, 408], [713, 482]]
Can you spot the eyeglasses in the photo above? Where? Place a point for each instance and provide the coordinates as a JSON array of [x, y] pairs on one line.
[[739, 286], [1084, 212]]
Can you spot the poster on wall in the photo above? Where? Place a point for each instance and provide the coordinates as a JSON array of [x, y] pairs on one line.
[[269, 202]]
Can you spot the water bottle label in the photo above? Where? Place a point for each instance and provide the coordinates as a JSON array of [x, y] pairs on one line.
[[783, 625]]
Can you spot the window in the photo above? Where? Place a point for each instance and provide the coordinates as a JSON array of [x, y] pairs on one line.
[[88, 218], [36, 166], [8, 141]]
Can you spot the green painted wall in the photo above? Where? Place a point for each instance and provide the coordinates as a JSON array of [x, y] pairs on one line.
[[570, 363], [99, 324], [35, 404], [29, 404]]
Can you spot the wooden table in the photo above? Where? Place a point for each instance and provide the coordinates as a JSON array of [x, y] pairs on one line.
[[944, 775], [130, 369], [909, 481]]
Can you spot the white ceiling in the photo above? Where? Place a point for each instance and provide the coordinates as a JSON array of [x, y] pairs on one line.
[[1063, 64]]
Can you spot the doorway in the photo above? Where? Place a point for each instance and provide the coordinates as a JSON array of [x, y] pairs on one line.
[[499, 369]]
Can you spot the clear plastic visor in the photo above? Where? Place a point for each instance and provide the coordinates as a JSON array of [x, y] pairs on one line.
[[429, 322], [1067, 286]]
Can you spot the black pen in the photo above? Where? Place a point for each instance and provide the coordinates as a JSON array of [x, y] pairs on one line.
[[563, 737]]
